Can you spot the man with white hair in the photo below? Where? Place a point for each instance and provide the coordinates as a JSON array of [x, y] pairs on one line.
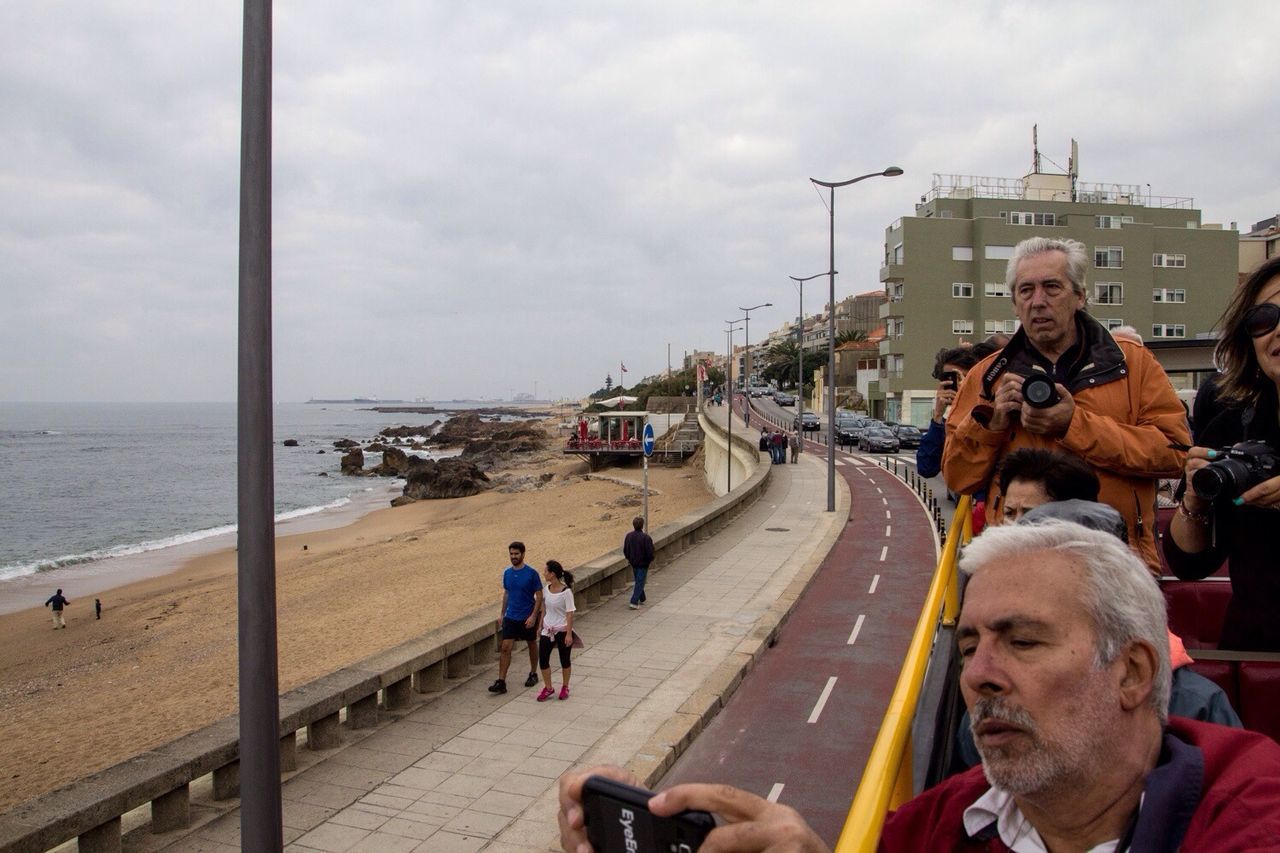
[[1065, 671], [1101, 398]]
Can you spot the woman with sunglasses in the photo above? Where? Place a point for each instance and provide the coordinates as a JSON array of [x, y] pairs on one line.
[[1240, 404]]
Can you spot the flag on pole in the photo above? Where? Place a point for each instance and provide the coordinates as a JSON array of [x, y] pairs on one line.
[[623, 366]]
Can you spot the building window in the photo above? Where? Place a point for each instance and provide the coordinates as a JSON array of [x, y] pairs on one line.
[[1108, 257], [1000, 327], [962, 327], [1108, 293], [1112, 323], [1168, 330], [996, 288], [945, 214], [898, 255], [896, 290], [1161, 259], [961, 253], [1111, 221], [961, 290], [999, 253], [1024, 217], [1168, 294]]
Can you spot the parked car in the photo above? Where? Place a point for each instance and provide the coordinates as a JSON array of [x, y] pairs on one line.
[[878, 440], [782, 398], [847, 427], [807, 421], [908, 436]]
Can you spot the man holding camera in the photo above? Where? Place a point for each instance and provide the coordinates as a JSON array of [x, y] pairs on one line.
[[1106, 401]]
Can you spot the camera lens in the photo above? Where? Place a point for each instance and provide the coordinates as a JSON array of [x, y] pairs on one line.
[[1039, 392], [1221, 480]]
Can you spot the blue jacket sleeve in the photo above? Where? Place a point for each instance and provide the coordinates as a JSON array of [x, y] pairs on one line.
[[929, 453]]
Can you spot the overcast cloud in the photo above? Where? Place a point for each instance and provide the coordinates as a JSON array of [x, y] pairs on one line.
[[471, 199]]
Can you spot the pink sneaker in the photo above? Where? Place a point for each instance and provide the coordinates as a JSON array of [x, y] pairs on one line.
[[547, 693], [564, 692]]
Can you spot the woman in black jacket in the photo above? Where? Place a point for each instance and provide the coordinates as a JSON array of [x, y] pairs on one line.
[[1230, 512]]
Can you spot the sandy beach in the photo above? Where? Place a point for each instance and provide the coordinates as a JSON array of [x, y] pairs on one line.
[[162, 661]]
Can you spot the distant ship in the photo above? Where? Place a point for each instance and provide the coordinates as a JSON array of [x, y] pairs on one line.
[[359, 400]]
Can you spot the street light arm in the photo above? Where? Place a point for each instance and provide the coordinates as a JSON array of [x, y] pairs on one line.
[[812, 277], [761, 305], [891, 172]]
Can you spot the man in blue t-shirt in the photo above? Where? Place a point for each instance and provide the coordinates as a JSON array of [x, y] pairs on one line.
[[521, 606]]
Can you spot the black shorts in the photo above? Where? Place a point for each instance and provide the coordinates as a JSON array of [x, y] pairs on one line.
[[515, 629]]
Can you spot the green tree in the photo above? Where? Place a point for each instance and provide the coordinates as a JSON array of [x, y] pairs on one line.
[[853, 335]]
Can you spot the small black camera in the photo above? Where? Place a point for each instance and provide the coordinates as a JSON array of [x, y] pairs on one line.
[[1236, 470], [1039, 391]]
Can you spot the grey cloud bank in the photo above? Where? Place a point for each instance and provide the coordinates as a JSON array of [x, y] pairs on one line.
[[469, 201]]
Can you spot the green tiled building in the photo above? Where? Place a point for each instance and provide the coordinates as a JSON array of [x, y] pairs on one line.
[[1156, 267]]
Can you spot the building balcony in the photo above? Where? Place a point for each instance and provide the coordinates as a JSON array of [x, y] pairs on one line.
[[893, 272]]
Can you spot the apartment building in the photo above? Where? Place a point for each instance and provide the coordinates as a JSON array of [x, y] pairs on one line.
[[1155, 266]]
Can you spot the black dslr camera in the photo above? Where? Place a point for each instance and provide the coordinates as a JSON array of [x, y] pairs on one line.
[[1236, 470], [1039, 391]]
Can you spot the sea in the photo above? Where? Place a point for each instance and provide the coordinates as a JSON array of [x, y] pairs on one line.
[[93, 495]]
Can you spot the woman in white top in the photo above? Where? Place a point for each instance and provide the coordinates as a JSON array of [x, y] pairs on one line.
[[557, 627]]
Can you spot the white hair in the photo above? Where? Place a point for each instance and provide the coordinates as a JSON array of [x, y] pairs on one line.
[[1077, 260], [1127, 332], [1120, 595]]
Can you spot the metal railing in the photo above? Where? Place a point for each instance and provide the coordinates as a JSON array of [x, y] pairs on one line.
[[886, 779]]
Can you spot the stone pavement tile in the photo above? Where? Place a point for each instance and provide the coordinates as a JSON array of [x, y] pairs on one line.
[[582, 737], [464, 746], [548, 768], [446, 761], [528, 834], [522, 783], [492, 768], [426, 811], [472, 822], [482, 731], [526, 737], [419, 778], [565, 751], [401, 792], [446, 798], [359, 817], [345, 775], [393, 804], [499, 803], [370, 759], [305, 815], [451, 842], [504, 752], [333, 838], [382, 842], [195, 844], [224, 829], [334, 796], [406, 828], [391, 740], [464, 786]]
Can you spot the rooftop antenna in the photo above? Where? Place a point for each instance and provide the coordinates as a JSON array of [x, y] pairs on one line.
[[1073, 167], [1035, 149]]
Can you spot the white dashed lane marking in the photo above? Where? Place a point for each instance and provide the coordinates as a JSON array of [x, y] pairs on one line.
[[875, 581], [822, 700], [775, 792], [857, 627]]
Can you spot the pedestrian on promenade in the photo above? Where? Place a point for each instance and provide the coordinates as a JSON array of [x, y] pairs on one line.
[[795, 447], [778, 446], [57, 601], [97, 608], [637, 547], [521, 606], [764, 440], [557, 628]]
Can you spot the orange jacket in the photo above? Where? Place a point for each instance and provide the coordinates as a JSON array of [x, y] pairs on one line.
[[1124, 421]]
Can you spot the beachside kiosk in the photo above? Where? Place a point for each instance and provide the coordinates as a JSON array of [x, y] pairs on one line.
[[614, 436]]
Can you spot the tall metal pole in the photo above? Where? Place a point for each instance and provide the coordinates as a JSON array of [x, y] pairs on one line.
[[260, 808], [800, 348], [728, 378], [891, 172]]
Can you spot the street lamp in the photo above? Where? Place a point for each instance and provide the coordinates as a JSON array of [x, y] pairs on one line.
[[891, 172], [728, 381], [747, 355], [800, 356]]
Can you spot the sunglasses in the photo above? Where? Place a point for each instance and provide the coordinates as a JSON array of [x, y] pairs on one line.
[[1261, 319]]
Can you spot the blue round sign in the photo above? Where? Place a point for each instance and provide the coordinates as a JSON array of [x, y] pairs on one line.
[[648, 439]]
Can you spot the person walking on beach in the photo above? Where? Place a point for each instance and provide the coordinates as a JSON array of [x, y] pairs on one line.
[[97, 608], [57, 601], [557, 628], [637, 547], [521, 605]]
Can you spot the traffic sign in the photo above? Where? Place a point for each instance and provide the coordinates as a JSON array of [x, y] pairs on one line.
[[648, 439]]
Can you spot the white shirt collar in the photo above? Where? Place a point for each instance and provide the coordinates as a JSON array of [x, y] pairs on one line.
[[1014, 829]]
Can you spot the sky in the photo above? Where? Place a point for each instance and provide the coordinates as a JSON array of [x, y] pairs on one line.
[[481, 200]]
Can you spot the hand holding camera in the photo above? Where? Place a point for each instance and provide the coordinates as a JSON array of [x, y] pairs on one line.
[[1248, 472]]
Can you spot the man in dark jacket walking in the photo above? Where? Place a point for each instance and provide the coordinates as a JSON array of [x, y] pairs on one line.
[[638, 549], [57, 601]]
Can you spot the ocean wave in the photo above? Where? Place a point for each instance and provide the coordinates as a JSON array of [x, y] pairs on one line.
[[19, 570]]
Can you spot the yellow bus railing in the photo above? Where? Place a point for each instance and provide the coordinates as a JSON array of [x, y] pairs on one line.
[[886, 780]]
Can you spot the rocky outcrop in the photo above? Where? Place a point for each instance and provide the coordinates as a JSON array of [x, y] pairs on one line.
[[345, 443], [446, 478], [395, 463], [401, 500], [291, 442], [353, 462]]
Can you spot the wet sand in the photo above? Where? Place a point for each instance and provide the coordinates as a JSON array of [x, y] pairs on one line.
[[162, 661]]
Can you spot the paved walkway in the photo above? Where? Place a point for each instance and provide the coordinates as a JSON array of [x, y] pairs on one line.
[[471, 771]]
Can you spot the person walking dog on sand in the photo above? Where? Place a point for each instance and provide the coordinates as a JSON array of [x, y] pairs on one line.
[[637, 547], [57, 601], [557, 628], [521, 605]]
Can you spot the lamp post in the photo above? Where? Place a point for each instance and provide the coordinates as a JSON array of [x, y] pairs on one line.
[[800, 356], [747, 354], [891, 172], [728, 380]]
